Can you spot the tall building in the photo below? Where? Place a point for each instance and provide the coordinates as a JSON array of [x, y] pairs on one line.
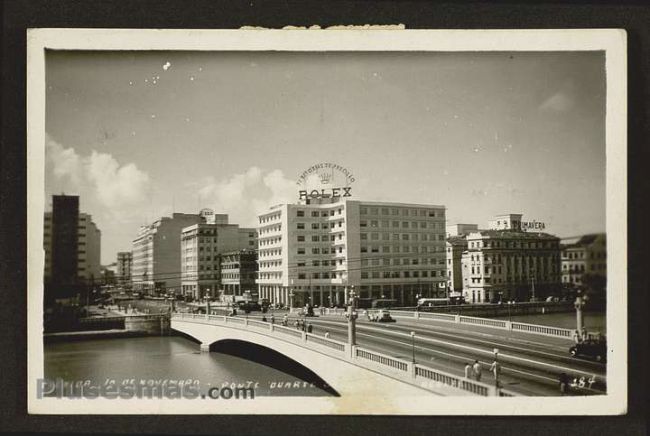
[[507, 262], [157, 254], [201, 246], [316, 250], [456, 246], [584, 258], [124, 265], [72, 245], [238, 272]]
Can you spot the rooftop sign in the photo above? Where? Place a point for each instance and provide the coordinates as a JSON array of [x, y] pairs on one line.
[[325, 180]]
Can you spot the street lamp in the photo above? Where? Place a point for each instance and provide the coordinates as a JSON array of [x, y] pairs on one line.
[[413, 345], [352, 316], [579, 304]]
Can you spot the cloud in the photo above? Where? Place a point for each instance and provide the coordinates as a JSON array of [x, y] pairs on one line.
[[558, 102], [245, 195], [99, 178]]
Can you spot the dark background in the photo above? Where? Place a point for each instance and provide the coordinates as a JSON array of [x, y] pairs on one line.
[[17, 16]]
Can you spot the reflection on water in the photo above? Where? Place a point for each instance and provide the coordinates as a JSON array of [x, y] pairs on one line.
[[165, 358]]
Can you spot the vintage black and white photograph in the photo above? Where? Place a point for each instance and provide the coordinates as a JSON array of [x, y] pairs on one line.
[[327, 222]]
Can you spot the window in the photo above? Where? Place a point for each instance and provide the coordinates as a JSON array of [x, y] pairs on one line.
[[363, 236], [314, 226], [314, 213], [300, 226], [300, 213], [301, 251], [315, 250], [314, 238], [301, 238], [301, 276], [363, 223], [315, 263]]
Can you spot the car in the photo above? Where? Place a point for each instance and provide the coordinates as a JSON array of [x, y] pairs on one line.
[[590, 349], [382, 316]]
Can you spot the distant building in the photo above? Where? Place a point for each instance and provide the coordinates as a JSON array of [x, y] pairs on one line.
[[460, 229], [456, 245], [582, 258], [507, 262], [201, 246], [124, 265], [157, 255], [238, 272], [316, 250], [109, 274], [72, 245]]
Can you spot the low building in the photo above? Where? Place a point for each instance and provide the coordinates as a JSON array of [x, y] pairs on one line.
[[238, 272], [584, 262], [507, 262]]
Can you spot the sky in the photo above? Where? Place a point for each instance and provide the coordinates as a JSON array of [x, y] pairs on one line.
[[139, 135]]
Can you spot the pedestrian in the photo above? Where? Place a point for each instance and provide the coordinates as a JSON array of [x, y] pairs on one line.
[[496, 370], [468, 370], [563, 380], [263, 318], [476, 369], [272, 319], [309, 327], [327, 335]]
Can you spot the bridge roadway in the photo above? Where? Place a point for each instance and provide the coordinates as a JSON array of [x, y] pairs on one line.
[[530, 363]]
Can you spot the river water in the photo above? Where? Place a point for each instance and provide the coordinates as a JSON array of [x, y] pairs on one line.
[[171, 358]]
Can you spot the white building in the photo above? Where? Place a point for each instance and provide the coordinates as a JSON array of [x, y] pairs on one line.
[[315, 251], [507, 262]]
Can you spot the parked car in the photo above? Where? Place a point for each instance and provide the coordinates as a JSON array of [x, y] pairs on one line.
[[590, 349]]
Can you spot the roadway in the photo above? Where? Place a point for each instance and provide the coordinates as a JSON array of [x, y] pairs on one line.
[[530, 364]]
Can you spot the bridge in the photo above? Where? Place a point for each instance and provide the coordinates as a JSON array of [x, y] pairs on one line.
[[346, 370]]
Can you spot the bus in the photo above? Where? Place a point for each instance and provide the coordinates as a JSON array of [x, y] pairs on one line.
[[431, 302], [383, 303]]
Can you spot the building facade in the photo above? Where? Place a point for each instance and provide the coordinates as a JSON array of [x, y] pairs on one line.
[[583, 258], [316, 250], [508, 263], [201, 246], [124, 265], [72, 246], [239, 272], [157, 254]]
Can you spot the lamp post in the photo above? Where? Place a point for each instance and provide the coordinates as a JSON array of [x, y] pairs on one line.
[[496, 368], [413, 345], [290, 300], [579, 304], [352, 316]]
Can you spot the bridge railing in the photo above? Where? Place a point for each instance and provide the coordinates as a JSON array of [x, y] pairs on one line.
[[404, 370], [520, 327]]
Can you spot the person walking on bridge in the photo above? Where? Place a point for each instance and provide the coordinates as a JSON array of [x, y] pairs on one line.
[[468, 370], [476, 369], [496, 370]]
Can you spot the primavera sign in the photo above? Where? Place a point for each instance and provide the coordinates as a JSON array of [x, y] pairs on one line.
[[325, 180]]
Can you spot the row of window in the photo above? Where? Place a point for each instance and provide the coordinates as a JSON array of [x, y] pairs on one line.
[[517, 259], [404, 212], [402, 237], [272, 229], [403, 224], [317, 214], [513, 244], [402, 249], [320, 250], [321, 238], [400, 274]]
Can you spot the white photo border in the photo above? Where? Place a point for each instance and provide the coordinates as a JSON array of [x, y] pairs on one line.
[[611, 41]]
